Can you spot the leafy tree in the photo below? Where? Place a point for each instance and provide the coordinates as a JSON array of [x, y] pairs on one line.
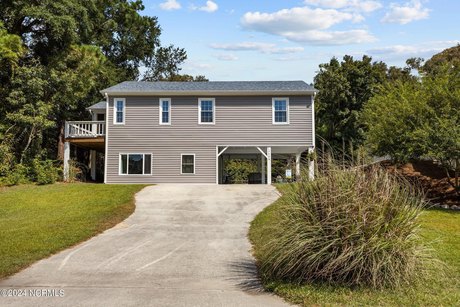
[[450, 55], [418, 119], [28, 111], [396, 119], [55, 57], [46, 27], [444, 101], [127, 38], [11, 49], [344, 87], [164, 65], [75, 77]]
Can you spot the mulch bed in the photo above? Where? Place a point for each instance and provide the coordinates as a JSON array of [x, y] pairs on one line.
[[432, 179]]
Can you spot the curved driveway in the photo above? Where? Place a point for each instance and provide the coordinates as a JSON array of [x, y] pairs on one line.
[[185, 245]]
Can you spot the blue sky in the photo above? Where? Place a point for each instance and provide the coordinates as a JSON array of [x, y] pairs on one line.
[[287, 40]]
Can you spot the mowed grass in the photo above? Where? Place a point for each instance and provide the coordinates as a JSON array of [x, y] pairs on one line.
[[38, 221], [440, 228]]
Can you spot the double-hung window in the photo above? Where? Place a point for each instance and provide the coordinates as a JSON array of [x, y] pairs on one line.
[[280, 110], [187, 164], [206, 110], [135, 164], [165, 111], [119, 111]]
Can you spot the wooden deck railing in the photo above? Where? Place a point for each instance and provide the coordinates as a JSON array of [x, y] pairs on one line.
[[84, 129]]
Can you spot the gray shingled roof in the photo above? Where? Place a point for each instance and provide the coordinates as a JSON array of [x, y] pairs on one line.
[[212, 86], [97, 106]]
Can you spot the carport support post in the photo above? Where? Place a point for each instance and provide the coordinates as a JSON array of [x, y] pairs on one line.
[[297, 166], [269, 165], [311, 165], [263, 169], [92, 161], [66, 160]]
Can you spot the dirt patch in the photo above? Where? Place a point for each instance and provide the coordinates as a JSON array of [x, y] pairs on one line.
[[431, 177]]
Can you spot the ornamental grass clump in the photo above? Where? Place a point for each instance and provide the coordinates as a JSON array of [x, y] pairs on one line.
[[353, 227]]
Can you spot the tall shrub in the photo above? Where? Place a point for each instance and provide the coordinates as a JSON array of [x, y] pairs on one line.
[[351, 227]]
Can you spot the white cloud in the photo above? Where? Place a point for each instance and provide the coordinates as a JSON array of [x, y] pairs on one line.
[[295, 19], [290, 58], [195, 66], [170, 5], [257, 46], [366, 6], [210, 7], [405, 13], [306, 25], [425, 50], [332, 37], [226, 57]]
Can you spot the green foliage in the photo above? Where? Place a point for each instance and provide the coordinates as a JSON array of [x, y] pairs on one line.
[[187, 78], [450, 56], [27, 113], [354, 227], [439, 229], [7, 158], [418, 119], [397, 121], [45, 172], [17, 175], [344, 87], [239, 169], [55, 56], [164, 66], [11, 48]]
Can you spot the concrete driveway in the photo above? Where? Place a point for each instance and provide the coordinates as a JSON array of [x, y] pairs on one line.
[[185, 245]]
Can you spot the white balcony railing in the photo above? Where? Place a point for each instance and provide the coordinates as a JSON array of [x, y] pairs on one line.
[[84, 129]]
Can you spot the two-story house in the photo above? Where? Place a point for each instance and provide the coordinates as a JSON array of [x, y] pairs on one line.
[[181, 132]]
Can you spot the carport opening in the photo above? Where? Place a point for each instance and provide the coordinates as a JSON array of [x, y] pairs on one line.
[[241, 169], [248, 165]]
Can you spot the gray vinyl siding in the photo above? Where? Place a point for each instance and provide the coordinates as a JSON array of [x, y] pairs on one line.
[[238, 121]]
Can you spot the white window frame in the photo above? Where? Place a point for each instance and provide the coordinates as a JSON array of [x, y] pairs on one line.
[[160, 103], [194, 163], [213, 100], [115, 100], [127, 163], [287, 111]]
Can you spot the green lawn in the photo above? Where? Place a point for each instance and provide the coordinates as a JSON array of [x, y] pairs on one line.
[[441, 228], [37, 221]]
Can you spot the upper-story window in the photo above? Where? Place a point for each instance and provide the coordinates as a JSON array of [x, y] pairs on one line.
[[165, 111], [119, 111], [206, 111], [280, 112]]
